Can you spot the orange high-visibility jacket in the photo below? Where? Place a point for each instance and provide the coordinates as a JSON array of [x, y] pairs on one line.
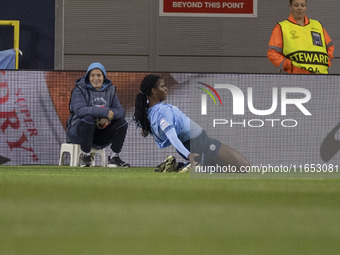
[[275, 49]]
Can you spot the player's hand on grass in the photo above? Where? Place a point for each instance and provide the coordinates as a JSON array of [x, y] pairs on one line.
[[191, 158]]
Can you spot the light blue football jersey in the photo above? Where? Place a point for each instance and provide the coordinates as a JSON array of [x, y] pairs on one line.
[[163, 116]]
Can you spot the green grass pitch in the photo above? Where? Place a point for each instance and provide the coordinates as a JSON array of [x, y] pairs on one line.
[[65, 210]]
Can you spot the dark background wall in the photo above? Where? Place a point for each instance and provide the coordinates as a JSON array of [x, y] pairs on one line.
[[130, 35], [36, 31]]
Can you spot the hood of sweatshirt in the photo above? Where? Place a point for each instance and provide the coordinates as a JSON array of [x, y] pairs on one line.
[[86, 81]]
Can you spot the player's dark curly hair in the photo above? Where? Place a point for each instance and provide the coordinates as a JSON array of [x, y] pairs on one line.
[[141, 102]]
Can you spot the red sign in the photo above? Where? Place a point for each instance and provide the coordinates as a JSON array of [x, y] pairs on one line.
[[209, 8]]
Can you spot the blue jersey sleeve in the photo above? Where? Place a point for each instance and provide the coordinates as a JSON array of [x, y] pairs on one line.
[[165, 120], [172, 136]]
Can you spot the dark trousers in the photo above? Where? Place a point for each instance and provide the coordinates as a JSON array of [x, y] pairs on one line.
[[88, 136]]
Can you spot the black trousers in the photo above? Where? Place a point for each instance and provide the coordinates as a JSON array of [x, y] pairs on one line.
[[88, 136]]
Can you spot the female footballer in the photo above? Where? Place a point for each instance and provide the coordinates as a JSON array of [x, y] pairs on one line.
[[169, 125]]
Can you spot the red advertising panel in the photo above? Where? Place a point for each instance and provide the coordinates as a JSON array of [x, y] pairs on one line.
[[209, 8]]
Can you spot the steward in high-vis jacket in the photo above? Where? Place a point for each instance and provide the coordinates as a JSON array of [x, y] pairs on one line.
[[300, 49]]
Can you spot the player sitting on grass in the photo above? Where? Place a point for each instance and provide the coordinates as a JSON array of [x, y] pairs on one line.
[[169, 125]]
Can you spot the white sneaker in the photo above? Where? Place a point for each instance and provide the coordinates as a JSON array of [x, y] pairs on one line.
[[116, 162]]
